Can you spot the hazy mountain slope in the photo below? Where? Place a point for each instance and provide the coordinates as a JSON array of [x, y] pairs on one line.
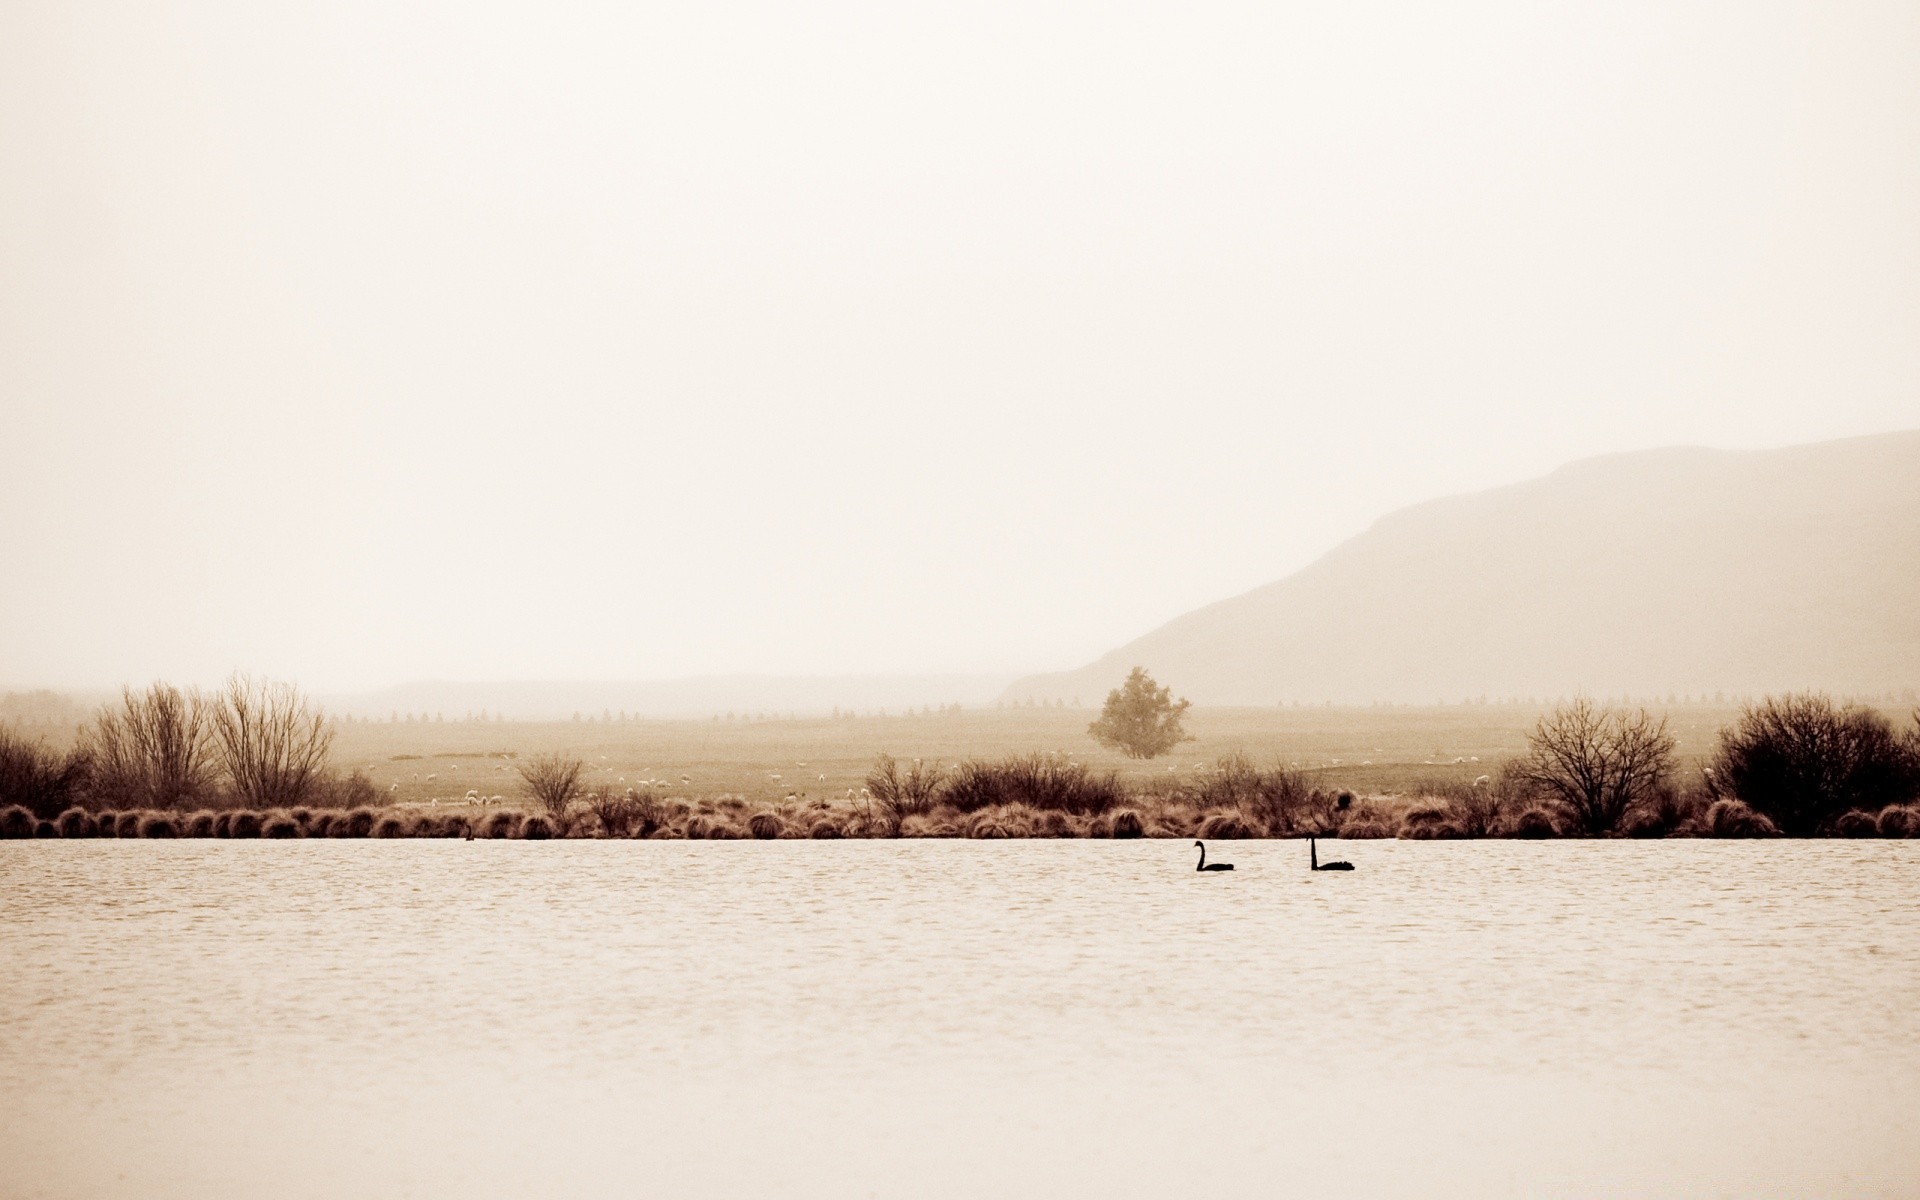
[[1683, 570]]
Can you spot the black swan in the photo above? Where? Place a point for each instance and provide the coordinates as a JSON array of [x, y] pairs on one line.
[[1313, 855], [1207, 866]]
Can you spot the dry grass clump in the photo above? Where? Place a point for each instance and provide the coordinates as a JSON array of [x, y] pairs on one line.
[[159, 825], [245, 824], [536, 828], [1855, 824], [1734, 819], [1126, 823], [1225, 826], [766, 826], [455, 825], [1426, 822], [1365, 828], [279, 825], [824, 828], [45, 829], [354, 823], [986, 824], [1899, 821], [697, 827], [1535, 823], [502, 824], [76, 823], [321, 825], [126, 824], [392, 825]]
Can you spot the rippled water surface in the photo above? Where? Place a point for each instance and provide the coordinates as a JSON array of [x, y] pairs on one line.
[[336, 1018]]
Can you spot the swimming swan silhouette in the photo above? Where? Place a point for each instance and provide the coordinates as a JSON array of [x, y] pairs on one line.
[[1207, 866], [1313, 855]]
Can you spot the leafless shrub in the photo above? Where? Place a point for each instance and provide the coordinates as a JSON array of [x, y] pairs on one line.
[[553, 780], [1271, 799], [40, 780], [1594, 762], [1041, 781], [628, 813], [895, 795], [352, 790], [273, 743], [156, 749]]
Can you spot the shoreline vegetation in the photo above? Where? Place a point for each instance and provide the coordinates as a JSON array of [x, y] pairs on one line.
[[252, 762]]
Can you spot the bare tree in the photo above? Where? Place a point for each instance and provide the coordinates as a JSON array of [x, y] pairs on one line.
[[553, 779], [1595, 762], [273, 743], [156, 750]]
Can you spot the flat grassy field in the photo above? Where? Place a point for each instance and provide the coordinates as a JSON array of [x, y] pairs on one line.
[[1374, 751]]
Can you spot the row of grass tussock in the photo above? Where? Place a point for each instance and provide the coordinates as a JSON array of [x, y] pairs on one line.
[[1033, 797]]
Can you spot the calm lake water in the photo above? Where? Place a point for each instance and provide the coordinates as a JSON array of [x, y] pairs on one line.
[[950, 1018]]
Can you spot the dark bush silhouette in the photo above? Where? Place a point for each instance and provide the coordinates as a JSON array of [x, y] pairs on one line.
[[392, 826], [1365, 828], [553, 780], [766, 826], [1595, 763], [45, 829], [536, 828], [16, 821], [76, 823], [1127, 824], [279, 825], [201, 824], [824, 828], [1140, 718], [36, 778], [155, 749], [126, 825], [1042, 781], [273, 743], [322, 824], [223, 824], [1802, 762], [245, 824]]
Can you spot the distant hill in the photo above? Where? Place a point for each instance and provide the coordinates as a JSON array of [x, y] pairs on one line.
[[1681, 570], [694, 697]]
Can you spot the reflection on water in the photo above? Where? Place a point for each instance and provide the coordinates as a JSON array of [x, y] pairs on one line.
[[957, 1018]]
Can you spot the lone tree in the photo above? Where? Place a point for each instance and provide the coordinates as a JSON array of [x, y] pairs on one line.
[[273, 742], [1140, 718], [1596, 762], [554, 780], [1803, 761]]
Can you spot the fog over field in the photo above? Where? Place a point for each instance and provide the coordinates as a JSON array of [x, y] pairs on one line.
[[365, 344]]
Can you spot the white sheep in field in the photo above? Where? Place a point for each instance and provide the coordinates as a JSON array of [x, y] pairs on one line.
[[1483, 781]]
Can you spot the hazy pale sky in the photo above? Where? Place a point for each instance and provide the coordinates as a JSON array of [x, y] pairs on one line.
[[357, 341]]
